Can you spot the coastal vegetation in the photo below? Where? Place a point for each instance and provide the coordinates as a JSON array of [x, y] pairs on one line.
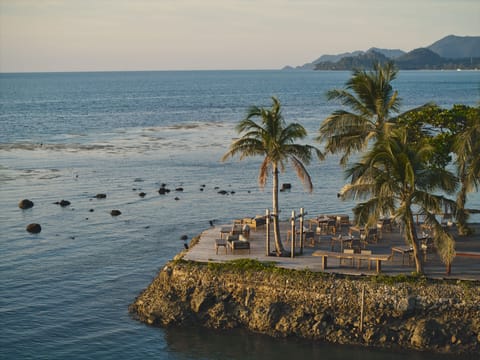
[[274, 140], [394, 176], [404, 157], [455, 134]]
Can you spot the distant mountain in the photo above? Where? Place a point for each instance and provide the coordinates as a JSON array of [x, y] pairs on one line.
[[324, 58], [419, 58], [457, 47], [451, 52], [335, 58], [391, 54], [364, 60]]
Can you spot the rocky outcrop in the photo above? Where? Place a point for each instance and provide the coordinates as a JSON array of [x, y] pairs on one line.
[[424, 315]]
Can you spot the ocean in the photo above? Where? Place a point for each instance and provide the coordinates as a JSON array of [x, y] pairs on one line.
[[64, 293]]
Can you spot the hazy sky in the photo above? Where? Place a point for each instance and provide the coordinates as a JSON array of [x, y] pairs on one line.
[[85, 35]]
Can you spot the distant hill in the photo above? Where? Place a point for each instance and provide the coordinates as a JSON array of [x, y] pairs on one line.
[[457, 47], [325, 58], [391, 54], [420, 58], [451, 52], [364, 60]]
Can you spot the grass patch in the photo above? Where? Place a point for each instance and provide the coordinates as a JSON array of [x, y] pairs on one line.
[[242, 265], [413, 278]]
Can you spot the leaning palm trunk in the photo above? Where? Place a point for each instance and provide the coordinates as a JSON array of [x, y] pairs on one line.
[[276, 224], [412, 239]]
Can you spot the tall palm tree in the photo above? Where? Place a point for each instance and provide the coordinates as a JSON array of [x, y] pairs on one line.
[[467, 149], [371, 100], [394, 177], [274, 140]]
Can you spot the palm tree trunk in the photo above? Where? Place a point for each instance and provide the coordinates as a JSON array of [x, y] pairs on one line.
[[462, 215], [276, 224], [411, 237]]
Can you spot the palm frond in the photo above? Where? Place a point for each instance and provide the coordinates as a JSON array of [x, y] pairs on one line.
[[302, 173]]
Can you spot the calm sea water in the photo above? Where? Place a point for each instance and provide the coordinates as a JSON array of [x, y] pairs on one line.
[[64, 293]]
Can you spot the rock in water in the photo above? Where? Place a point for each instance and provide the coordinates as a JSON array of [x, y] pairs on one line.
[[34, 228], [25, 204], [63, 203], [115, 212]]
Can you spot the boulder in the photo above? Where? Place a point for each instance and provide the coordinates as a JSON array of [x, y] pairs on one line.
[[34, 228], [427, 332], [25, 204], [115, 212]]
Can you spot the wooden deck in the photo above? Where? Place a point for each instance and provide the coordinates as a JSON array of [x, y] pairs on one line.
[[463, 267]]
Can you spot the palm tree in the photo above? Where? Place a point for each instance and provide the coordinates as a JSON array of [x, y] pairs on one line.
[[371, 100], [467, 147], [394, 177], [274, 140]]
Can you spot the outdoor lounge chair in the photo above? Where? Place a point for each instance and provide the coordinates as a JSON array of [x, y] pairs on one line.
[[238, 242]]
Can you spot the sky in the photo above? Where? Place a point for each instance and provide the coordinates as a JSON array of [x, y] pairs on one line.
[[117, 35]]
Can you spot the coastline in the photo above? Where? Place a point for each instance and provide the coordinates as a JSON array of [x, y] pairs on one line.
[[400, 312], [424, 315]]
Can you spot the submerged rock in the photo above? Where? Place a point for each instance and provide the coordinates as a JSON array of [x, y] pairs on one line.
[[63, 203], [25, 204], [34, 228], [163, 191]]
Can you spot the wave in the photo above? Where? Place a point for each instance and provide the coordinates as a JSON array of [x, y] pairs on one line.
[[183, 136], [53, 146]]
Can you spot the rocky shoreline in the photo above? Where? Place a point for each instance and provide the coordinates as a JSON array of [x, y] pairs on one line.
[[398, 313]]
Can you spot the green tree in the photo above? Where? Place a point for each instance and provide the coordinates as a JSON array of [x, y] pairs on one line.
[[371, 101], [274, 140], [394, 177], [456, 131], [467, 149]]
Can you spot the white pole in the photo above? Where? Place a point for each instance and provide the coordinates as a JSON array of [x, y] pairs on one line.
[[292, 254], [267, 228]]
